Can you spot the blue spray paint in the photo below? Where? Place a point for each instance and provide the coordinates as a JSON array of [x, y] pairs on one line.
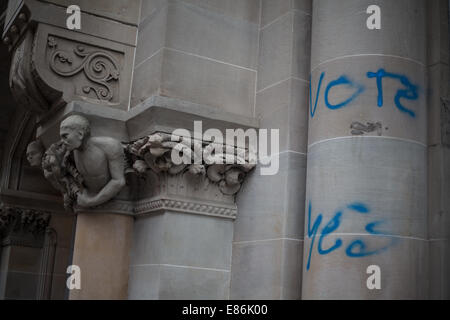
[[410, 93], [329, 228], [357, 248], [312, 232], [311, 109], [361, 250], [359, 207], [360, 246], [343, 80], [370, 228]]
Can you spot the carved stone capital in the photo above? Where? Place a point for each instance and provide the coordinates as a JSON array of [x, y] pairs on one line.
[[205, 182], [20, 226], [202, 162]]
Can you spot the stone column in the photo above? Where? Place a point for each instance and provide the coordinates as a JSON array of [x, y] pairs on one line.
[[195, 60], [268, 238], [438, 148], [366, 198], [101, 250], [183, 233]]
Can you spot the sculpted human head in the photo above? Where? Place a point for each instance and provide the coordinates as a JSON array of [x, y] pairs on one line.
[[74, 130], [35, 151]]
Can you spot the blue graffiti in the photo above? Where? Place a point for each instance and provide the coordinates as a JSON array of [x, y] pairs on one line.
[[361, 246], [359, 207], [328, 229], [312, 232], [343, 80], [313, 111], [410, 93], [357, 248]]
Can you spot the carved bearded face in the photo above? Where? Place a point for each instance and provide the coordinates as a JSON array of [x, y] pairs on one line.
[[71, 138]]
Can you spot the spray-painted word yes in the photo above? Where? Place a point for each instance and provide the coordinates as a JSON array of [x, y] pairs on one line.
[[357, 248], [409, 92]]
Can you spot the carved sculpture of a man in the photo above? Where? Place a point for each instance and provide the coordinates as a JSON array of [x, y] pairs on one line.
[[35, 151], [100, 161]]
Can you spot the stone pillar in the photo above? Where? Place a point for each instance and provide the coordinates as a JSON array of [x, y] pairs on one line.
[[268, 238], [101, 250], [196, 60], [438, 148], [366, 198], [183, 234]]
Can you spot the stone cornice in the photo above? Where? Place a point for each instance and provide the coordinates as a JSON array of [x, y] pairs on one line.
[[160, 204], [150, 206]]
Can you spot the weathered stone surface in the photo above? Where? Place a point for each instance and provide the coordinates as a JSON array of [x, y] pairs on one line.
[[186, 256], [283, 107], [338, 37], [278, 280], [365, 170], [101, 250], [273, 215], [124, 11], [397, 281], [208, 34]]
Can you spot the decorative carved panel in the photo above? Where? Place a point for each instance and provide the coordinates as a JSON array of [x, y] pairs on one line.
[[94, 73], [24, 227], [53, 66]]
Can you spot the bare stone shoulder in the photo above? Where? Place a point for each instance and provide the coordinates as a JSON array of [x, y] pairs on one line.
[[112, 147]]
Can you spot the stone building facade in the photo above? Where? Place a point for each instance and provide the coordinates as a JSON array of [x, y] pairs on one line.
[[363, 151]]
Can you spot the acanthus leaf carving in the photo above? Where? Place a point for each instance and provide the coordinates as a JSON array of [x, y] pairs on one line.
[[214, 161]]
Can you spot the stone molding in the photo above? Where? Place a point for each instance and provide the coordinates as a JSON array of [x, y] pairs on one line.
[[160, 204], [150, 206]]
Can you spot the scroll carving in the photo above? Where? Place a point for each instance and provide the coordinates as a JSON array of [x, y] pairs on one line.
[[98, 67]]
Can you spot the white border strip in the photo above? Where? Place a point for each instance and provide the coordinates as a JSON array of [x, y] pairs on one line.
[[368, 55], [366, 137], [266, 240], [177, 266]]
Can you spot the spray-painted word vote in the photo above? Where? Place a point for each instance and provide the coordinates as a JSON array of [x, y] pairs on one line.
[[406, 91]]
